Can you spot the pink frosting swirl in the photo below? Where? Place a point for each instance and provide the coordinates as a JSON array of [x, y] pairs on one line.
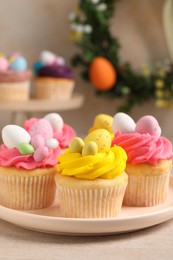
[[12, 158], [64, 137], [144, 148]]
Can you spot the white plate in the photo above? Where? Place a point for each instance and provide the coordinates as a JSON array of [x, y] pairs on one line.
[[131, 219]]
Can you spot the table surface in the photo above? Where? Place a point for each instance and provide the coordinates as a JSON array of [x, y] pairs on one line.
[[152, 243]]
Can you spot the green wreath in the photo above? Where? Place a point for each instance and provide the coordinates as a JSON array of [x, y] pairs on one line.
[[90, 31]]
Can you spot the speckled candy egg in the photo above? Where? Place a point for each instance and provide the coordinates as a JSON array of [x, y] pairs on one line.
[[13, 135], [47, 57], [3, 64], [148, 124], [123, 122], [55, 120], [43, 128], [102, 138], [103, 121]]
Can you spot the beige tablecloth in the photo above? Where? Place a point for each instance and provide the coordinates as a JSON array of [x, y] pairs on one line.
[[151, 243]]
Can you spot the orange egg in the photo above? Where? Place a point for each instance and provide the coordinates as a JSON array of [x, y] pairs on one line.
[[102, 73]]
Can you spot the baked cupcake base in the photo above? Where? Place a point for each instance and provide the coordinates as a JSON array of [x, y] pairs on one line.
[[27, 189], [147, 184], [15, 91], [100, 198], [53, 88]]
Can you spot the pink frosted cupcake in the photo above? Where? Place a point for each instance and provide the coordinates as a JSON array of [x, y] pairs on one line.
[[27, 166], [15, 78], [149, 159], [62, 132]]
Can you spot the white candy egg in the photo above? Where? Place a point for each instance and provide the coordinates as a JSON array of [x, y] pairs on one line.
[[55, 120], [52, 143], [13, 135], [47, 57], [123, 122]]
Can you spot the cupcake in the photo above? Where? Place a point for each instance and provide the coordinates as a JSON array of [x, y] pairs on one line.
[[149, 159], [90, 177], [62, 132], [53, 79], [27, 166], [15, 78]]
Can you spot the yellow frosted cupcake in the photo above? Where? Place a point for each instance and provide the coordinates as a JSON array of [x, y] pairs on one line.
[[149, 159], [91, 180]]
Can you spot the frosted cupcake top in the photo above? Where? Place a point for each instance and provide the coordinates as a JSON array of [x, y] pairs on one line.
[[33, 146], [51, 65], [92, 157], [14, 68], [142, 141]]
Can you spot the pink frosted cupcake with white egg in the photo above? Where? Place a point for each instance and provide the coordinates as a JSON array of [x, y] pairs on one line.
[[27, 166], [53, 78], [62, 131], [15, 78], [149, 159]]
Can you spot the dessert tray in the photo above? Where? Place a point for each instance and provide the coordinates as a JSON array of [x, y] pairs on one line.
[[131, 219]]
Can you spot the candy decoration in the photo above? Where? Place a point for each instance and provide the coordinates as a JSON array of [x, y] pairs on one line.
[[37, 141], [37, 66], [47, 57], [42, 127], [13, 135], [3, 64], [148, 124], [102, 74], [52, 143], [76, 145], [123, 122], [41, 153], [55, 120], [19, 64], [25, 148], [102, 138], [103, 121], [90, 148]]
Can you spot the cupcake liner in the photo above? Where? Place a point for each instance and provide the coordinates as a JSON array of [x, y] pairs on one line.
[[91, 203], [15, 91], [27, 193], [144, 191], [54, 89]]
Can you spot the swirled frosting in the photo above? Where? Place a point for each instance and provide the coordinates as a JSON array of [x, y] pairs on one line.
[[15, 76], [106, 165], [55, 71], [144, 148], [13, 158], [64, 136]]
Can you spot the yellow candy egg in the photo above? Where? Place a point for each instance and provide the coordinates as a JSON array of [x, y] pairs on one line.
[[76, 145], [102, 138], [90, 148], [103, 121]]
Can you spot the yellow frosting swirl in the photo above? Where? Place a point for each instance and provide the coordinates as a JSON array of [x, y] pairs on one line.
[[106, 165]]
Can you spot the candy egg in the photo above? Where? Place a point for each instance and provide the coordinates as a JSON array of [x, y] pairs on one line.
[[19, 64], [102, 138], [13, 135], [123, 122], [90, 148], [76, 145], [59, 61], [42, 127], [3, 64], [41, 153], [103, 121], [55, 120], [47, 57], [52, 143], [148, 124], [37, 66], [37, 141], [25, 148]]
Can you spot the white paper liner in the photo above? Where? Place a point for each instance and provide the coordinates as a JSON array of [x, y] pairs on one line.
[[54, 90], [93, 203], [26, 193], [143, 191], [15, 91]]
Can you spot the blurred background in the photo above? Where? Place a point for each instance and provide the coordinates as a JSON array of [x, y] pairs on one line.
[[32, 26]]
